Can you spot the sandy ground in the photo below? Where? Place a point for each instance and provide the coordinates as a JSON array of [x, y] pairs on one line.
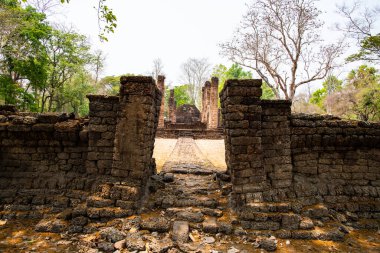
[[213, 150], [162, 150]]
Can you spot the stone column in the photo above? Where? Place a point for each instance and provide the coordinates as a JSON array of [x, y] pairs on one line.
[[207, 99], [136, 128], [241, 110], [172, 107], [203, 112], [161, 87], [213, 121]]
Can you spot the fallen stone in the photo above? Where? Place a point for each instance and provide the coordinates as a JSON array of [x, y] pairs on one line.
[[79, 221], [131, 223], [352, 216], [269, 244], [54, 226], [233, 250], [112, 234], [133, 241], [119, 245], [291, 221], [106, 246], [306, 223], [180, 231], [156, 224], [210, 225], [168, 177], [240, 231], [225, 228], [209, 239], [162, 245]]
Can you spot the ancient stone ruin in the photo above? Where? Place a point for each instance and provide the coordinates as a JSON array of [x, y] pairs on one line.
[[189, 120], [289, 176]]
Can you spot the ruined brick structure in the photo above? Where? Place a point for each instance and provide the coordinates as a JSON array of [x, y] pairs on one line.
[[47, 159], [172, 107], [161, 87], [283, 168], [297, 160], [210, 113], [188, 114], [187, 120]]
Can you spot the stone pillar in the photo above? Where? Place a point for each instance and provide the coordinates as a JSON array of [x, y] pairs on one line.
[[101, 133], [241, 110], [207, 99], [161, 87], [136, 128], [213, 120], [172, 107], [203, 112]]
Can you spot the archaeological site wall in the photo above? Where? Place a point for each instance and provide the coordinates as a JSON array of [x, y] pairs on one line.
[[103, 162], [274, 156]]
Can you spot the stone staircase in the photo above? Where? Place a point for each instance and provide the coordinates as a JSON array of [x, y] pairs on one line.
[[201, 201]]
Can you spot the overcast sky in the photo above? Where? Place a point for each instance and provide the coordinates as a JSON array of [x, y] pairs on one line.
[[172, 30]]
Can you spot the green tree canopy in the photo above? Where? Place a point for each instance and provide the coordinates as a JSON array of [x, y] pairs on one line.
[[237, 72]]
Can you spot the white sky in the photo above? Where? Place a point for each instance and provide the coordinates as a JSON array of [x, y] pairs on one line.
[[173, 30]]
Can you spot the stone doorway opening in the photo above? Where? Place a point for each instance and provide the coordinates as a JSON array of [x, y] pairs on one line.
[[188, 153]]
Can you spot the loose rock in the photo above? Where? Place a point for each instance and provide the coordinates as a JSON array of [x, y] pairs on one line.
[[181, 231]]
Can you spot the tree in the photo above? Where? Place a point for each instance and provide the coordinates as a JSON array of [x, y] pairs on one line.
[[237, 72], [98, 64], [358, 99], [181, 95], [106, 18], [280, 40], [158, 68], [23, 58], [320, 97], [359, 25], [195, 72]]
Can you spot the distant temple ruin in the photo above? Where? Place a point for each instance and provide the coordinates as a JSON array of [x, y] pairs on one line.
[[188, 119]]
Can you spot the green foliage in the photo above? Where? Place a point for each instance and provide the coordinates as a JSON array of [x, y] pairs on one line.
[[369, 50], [330, 85], [110, 84], [358, 99], [181, 95], [237, 72], [106, 18], [318, 97], [42, 68]]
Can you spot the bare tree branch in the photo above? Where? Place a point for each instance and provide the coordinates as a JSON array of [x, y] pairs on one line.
[[280, 40]]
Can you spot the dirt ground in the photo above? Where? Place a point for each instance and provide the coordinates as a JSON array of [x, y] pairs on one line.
[[212, 150]]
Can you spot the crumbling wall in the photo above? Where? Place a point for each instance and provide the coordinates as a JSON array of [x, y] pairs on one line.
[[51, 160], [41, 158], [337, 162], [274, 156]]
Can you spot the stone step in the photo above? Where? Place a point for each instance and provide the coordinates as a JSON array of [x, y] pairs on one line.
[[193, 171], [96, 201], [281, 207], [196, 202], [107, 212]]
